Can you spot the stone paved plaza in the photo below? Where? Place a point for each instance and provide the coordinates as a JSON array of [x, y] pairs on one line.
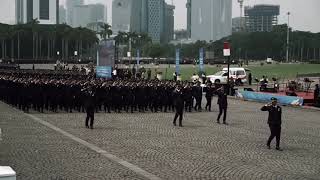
[[202, 149]]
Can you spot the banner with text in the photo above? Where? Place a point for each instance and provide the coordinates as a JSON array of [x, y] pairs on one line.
[[201, 59], [104, 72], [106, 53], [138, 58], [178, 61]]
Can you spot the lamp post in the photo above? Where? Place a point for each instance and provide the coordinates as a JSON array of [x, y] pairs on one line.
[[227, 53], [138, 52], [75, 55], [130, 49], [58, 53], [288, 38]]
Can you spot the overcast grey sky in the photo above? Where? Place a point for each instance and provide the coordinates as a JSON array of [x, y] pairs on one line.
[[304, 14]]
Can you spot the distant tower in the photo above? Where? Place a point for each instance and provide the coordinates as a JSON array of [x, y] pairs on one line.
[[241, 11], [188, 6]]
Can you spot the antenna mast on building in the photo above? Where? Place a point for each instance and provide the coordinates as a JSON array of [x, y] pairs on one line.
[[241, 10]]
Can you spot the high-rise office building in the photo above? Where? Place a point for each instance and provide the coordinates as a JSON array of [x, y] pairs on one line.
[[210, 19], [139, 18], [169, 23], [156, 17], [188, 6], [45, 11], [129, 17], [153, 17], [70, 7], [85, 14], [261, 17], [121, 15], [237, 24], [62, 15]]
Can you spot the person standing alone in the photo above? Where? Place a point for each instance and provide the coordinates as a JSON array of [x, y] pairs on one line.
[[179, 105], [274, 121], [223, 104], [89, 104]]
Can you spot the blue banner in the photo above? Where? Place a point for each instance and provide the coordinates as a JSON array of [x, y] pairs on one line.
[[138, 58], [201, 55], [266, 97], [104, 72], [178, 61]]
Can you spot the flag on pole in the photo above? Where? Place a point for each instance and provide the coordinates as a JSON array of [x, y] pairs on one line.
[[178, 61], [201, 57]]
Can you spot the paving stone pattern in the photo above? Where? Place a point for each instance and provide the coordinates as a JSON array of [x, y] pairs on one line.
[[202, 149]]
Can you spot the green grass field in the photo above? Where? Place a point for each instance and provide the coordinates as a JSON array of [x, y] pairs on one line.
[[281, 71]]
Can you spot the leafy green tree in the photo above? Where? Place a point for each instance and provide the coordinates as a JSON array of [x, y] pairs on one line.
[[106, 31]]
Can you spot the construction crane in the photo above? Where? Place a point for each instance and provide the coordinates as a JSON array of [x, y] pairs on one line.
[[241, 10]]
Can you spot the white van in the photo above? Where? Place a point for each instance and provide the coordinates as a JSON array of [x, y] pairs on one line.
[[222, 76]]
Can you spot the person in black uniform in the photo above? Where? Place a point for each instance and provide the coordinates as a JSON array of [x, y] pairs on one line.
[[209, 94], [223, 103], [179, 104], [274, 121], [188, 98], [250, 79], [197, 93], [89, 105], [316, 96]]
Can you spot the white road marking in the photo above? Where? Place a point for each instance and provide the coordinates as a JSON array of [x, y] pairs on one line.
[[106, 154]]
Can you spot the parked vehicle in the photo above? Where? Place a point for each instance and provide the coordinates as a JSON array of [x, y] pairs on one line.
[[238, 74]]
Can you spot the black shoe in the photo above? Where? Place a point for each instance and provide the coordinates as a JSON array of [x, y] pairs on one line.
[[218, 122], [225, 123], [268, 146], [87, 127], [180, 125], [279, 149], [174, 124], [91, 127]]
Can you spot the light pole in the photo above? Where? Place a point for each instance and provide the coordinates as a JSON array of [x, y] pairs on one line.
[[138, 52], [58, 53], [130, 49], [75, 55], [227, 53], [288, 38]]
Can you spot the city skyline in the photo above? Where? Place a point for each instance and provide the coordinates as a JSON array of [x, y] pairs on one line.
[[301, 18]]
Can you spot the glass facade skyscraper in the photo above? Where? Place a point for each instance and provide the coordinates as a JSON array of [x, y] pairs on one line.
[[211, 20], [46, 11]]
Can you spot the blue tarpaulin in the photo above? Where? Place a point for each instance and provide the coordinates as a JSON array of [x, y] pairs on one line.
[[265, 97]]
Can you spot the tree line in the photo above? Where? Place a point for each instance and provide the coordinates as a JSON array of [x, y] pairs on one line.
[[35, 41], [303, 46]]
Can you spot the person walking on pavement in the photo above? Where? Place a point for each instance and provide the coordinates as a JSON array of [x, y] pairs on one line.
[[197, 93], [89, 105], [223, 104], [250, 79], [179, 105], [316, 96], [274, 121]]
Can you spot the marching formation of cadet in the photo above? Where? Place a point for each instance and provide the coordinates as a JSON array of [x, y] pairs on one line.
[[49, 91], [65, 91]]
